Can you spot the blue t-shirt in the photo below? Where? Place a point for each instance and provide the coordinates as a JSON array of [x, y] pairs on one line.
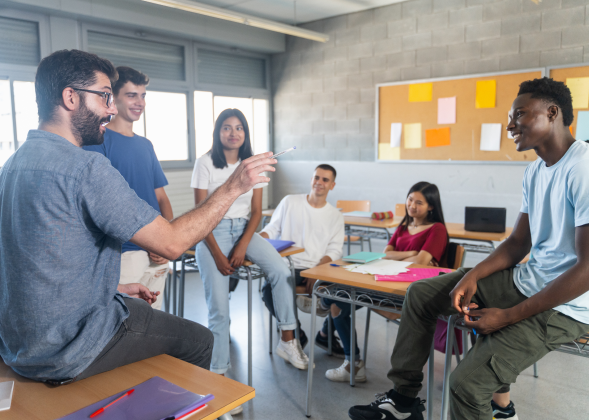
[[556, 200], [64, 214], [135, 159]]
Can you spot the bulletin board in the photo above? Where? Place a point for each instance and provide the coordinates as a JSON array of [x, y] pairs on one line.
[[561, 74], [394, 106]]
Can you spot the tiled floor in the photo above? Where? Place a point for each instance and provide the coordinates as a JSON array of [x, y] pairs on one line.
[[560, 392]]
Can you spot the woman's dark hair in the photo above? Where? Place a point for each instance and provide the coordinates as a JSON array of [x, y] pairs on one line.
[[432, 196], [127, 74], [553, 92], [216, 151], [67, 68]]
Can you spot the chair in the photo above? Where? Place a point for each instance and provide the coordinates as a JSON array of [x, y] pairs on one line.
[[357, 205]]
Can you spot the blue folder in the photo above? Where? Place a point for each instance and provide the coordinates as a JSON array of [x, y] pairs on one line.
[[280, 245]]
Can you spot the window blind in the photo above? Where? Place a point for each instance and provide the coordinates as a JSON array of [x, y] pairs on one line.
[[228, 69], [19, 42], [156, 59]]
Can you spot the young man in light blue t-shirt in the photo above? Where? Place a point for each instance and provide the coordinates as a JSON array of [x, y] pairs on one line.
[[520, 312], [134, 157]]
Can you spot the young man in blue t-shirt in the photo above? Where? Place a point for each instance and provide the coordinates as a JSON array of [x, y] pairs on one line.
[[134, 157], [520, 312]]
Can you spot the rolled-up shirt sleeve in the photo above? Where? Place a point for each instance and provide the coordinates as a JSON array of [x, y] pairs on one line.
[[273, 229]]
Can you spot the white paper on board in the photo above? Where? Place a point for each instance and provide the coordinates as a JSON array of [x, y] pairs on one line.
[[396, 134], [491, 134], [6, 395]]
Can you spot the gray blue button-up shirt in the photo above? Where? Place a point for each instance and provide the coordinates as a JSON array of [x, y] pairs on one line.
[[64, 213]]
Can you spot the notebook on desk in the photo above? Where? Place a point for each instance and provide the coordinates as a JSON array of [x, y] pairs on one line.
[[154, 399], [280, 245], [363, 257]]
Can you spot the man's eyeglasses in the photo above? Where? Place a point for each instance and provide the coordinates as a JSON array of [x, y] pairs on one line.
[[107, 96]]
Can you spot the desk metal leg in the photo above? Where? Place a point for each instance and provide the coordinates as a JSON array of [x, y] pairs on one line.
[[448, 359], [292, 268], [430, 385], [269, 332], [249, 326], [330, 332], [314, 302], [465, 343], [352, 337], [181, 288], [367, 325], [174, 288]]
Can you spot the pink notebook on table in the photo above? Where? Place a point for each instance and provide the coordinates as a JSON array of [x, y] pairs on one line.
[[154, 399], [414, 274]]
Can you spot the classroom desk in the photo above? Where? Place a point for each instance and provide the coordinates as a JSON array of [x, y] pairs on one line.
[[266, 215], [342, 285], [249, 271], [457, 231], [377, 229], [37, 401]]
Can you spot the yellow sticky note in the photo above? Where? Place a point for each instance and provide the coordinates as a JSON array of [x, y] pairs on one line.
[[579, 89], [485, 94], [420, 92], [386, 152], [413, 136]]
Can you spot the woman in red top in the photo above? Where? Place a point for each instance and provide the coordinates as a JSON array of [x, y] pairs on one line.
[[421, 236]]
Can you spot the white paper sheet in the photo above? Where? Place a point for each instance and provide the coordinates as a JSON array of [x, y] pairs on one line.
[[396, 135], [383, 267], [491, 134], [6, 395]]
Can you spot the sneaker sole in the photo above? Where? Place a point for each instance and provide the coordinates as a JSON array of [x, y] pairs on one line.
[[515, 417], [283, 355], [347, 379]]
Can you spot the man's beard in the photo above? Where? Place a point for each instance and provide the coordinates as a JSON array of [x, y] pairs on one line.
[[86, 126]]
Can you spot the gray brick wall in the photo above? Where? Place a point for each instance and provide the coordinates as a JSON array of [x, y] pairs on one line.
[[324, 97]]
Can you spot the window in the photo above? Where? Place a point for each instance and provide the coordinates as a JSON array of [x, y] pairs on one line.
[[208, 108], [231, 69], [19, 42], [166, 124], [25, 116]]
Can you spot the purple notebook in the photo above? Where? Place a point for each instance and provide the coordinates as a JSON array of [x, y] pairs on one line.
[[280, 245], [154, 399]]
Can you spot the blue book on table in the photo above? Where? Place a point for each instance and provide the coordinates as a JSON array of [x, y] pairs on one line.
[[363, 257], [280, 245]]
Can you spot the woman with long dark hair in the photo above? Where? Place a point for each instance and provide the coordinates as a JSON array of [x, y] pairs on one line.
[[421, 238], [235, 238]]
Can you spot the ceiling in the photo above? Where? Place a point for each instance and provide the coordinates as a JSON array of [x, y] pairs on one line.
[[298, 11]]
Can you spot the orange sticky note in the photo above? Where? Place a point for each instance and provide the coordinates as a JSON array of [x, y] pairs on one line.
[[485, 94], [438, 137], [420, 92]]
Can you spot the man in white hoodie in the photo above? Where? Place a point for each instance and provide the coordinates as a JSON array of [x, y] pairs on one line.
[[314, 224]]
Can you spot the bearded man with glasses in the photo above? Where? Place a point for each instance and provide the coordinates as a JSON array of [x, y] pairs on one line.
[[64, 213]]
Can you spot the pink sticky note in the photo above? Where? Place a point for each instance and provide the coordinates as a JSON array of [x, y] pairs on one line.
[[447, 110]]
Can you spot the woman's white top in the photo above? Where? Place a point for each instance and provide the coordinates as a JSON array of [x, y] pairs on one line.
[[208, 177]]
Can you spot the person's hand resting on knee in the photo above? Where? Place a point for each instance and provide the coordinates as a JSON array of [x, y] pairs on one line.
[[138, 291]]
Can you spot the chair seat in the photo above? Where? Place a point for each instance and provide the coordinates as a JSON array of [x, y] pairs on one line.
[[352, 238]]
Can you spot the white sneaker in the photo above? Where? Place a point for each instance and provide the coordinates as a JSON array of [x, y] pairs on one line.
[[237, 410], [304, 305], [340, 374], [292, 352]]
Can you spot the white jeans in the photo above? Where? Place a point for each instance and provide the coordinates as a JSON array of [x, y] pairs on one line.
[[136, 267]]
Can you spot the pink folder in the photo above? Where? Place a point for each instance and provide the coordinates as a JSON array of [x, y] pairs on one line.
[[414, 274], [154, 399]]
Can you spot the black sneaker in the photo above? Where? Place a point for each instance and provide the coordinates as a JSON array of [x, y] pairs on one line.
[[303, 340], [322, 343], [384, 408], [508, 412]]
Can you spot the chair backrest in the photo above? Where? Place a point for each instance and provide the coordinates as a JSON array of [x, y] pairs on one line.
[[400, 210], [454, 256], [356, 205]]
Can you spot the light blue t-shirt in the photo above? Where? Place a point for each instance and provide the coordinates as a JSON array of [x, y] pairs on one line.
[[556, 200], [64, 214]]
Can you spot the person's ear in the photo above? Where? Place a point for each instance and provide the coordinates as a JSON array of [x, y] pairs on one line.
[[70, 99], [333, 185], [552, 113]]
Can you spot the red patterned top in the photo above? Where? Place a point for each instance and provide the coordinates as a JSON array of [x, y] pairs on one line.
[[433, 240]]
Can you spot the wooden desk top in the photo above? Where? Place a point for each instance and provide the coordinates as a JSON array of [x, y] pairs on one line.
[[368, 222], [37, 401], [267, 212], [366, 281], [457, 230]]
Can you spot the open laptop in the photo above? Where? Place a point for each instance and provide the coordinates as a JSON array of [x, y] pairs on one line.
[[485, 219]]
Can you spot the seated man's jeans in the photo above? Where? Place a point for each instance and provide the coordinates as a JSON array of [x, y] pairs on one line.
[[495, 361], [147, 333], [343, 323]]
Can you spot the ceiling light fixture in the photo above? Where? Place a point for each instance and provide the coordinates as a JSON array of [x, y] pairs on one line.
[[219, 13]]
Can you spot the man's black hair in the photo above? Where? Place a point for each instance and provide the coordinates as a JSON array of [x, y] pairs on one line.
[[554, 92], [67, 68], [127, 74], [327, 167]]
